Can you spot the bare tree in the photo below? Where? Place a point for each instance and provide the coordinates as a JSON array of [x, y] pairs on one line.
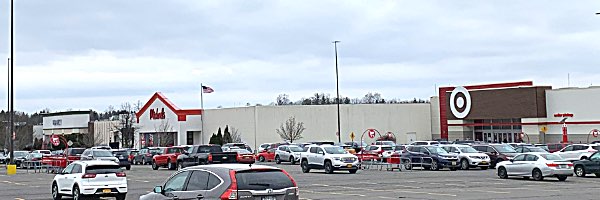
[[291, 130], [164, 136], [91, 139], [283, 99], [236, 136], [126, 128]]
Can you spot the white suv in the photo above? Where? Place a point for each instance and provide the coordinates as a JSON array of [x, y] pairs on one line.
[[578, 151], [468, 156], [329, 158], [96, 178], [288, 153]]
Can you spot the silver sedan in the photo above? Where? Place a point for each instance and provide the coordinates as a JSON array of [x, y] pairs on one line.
[[536, 165]]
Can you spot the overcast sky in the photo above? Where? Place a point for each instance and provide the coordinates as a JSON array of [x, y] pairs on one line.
[[91, 54]]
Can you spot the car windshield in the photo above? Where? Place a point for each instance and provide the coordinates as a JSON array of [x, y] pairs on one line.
[[36, 155], [505, 149], [398, 148], [263, 180], [335, 150], [537, 149], [387, 148], [76, 151], [119, 153], [20, 153], [44, 151], [154, 150], [436, 150], [209, 149], [596, 147], [295, 149], [468, 150], [551, 157], [241, 151], [103, 169], [104, 153]]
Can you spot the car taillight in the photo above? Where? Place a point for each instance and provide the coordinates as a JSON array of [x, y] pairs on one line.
[[592, 150], [570, 164], [296, 191], [148, 154], [121, 174], [89, 176], [552, 164], [231, 192], [239, 157], [209, 158]]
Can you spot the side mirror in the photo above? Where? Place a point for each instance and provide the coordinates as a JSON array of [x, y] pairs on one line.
[[289, 151], [458, 152], [158, 189], [512, 160]]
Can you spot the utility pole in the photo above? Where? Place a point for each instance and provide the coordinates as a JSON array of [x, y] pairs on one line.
[[11, 98], [337, 79]]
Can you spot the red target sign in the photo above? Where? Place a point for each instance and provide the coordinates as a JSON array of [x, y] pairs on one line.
[[371, 133], [55, 140], [595, 132]]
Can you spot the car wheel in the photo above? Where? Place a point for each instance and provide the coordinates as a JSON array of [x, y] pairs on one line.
[[434, 165], [292, 160], [407, 165], [502, 173], [304, 165], [562, 178], [55, 194], [597, 174], [128, 167], [170, 165], [77, 194], [464, 164], [484, 168], [328, 167], [537, 175], [583, 158], [121, 196], [277, 160], [261, 159], [353, 171], [154, 166], [579, 171]]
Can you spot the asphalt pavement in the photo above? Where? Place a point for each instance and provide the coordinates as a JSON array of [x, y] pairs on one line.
[[366, 184]]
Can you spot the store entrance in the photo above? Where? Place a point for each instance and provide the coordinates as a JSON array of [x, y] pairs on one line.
[[501, 137]]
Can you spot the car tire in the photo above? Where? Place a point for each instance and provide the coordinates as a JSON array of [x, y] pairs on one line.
[[583, 158], [77, 194], [55, 192], [292, 160], [170, 165], [179, 166], [128, 167], [261, 159], [328, 167], [484, 168], [434, 165], [537, 175], [277, 159], [464, 164], [353, 171], [579, 171], [597, 175], [562, 178], [121, 196], [502, 173], [408, 165], [304, 166], [154, 166]]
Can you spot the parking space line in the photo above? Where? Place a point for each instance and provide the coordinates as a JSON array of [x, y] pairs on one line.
[[395, 191]]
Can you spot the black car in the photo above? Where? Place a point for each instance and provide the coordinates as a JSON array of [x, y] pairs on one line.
[[123, 157], [429, 157], [205, 154], [144, 157], [590, 165], [496, 152]]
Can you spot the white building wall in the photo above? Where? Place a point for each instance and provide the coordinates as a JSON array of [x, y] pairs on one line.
[[104, 131], [258, 124], [434, 108], [583, 103]]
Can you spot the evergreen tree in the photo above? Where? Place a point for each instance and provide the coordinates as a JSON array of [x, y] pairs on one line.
[[219, 138], [227, 136], [213, 139]]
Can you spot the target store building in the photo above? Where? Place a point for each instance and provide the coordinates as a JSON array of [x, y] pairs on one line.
[[517, 111]]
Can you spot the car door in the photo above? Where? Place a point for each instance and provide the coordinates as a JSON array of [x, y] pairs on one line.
[[312, 155], [529, 164], [320, 158], [196, 186], [567, 152], [516, 166], [65, 180], [593, 166]]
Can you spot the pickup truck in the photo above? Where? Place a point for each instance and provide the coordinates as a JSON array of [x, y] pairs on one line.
[[205, 154], [167, 158]]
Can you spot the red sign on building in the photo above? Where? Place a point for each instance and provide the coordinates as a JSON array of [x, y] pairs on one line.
[[155, 114]]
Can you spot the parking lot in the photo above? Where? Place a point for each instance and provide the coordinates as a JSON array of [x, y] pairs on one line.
[[366, 184]]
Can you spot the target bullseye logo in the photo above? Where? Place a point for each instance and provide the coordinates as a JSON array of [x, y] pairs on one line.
[[460, 102]]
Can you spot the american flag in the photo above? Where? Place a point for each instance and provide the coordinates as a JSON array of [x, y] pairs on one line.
[[206, 89]]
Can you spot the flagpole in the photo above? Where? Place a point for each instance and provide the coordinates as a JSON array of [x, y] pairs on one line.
[[202, 115]]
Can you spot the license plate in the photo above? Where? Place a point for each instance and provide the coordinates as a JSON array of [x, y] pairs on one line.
[[349, 166], [453, 163], [268, 198], [562, 166], [106, 191], [484, 162]]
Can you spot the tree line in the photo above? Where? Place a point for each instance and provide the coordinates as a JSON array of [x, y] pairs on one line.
[[326, 99]]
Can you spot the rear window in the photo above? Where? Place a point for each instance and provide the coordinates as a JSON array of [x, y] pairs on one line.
[[119, 153], [262, 180], [596, 147], [551, 157], [76, 151], [387, 148], [154, 151], [209, 149], [103, 169], [175, 150]]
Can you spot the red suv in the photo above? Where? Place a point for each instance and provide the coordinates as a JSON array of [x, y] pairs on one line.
[[167, 158]]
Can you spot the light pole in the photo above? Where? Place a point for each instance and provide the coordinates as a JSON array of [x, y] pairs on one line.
[[337, 79], [11, 98]]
